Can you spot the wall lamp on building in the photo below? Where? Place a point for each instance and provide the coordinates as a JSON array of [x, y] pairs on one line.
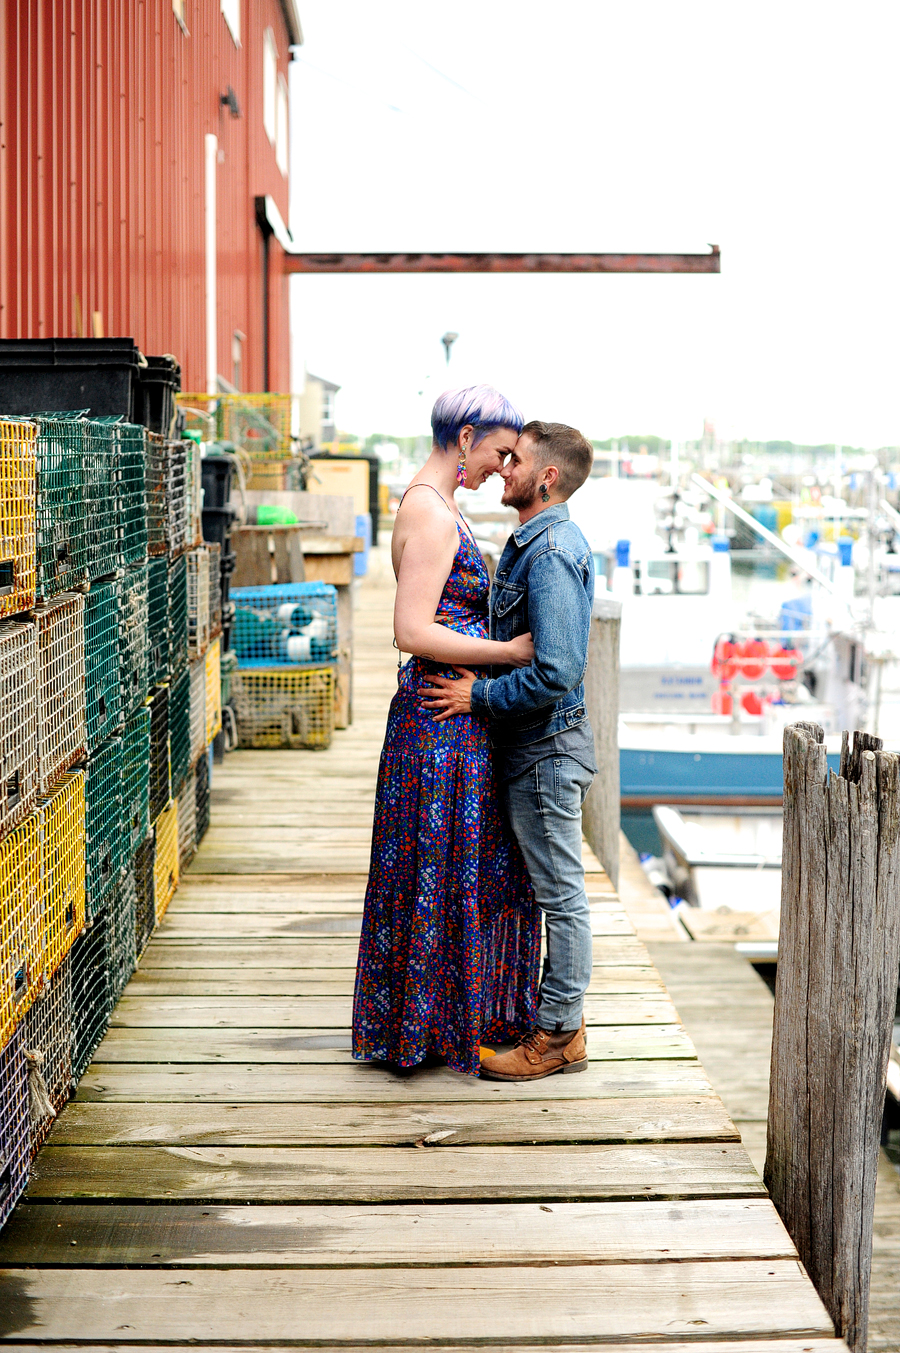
[[229, 100]]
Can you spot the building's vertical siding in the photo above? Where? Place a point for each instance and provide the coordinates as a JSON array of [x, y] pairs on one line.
[[105, 105]]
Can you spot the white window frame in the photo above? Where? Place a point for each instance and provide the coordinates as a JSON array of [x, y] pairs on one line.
[[231, 13], [270, 86], [281, 125]]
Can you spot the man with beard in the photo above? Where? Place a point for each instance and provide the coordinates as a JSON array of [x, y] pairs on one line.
[[542, 738]]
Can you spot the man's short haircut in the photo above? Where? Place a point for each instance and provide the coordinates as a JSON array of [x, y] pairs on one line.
[[566, 448], [480, 406]]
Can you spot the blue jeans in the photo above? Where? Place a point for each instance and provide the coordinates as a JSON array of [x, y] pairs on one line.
[[544, 806]]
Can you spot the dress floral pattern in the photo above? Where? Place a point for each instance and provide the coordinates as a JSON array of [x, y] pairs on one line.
[[450, 943]]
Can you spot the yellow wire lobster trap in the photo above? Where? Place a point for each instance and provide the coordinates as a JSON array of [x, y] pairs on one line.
[[18, 497], [284, 707], [21, 925], [258, 425], [61, 831], [165, 860]]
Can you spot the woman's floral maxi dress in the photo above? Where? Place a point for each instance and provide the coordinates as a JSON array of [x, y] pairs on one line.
[[450, 943]]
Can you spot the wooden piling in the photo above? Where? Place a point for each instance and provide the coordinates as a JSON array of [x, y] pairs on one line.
[[838, 959], [601, 693]]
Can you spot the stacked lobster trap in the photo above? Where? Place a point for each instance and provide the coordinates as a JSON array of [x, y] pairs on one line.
[[109, 700], [286, 645]]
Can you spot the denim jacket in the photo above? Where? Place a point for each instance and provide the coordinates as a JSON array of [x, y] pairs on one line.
[[544, 583]]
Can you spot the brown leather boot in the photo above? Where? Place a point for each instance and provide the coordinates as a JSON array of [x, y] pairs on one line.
[[538, 1054]]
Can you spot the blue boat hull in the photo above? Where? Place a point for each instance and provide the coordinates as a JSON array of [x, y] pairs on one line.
[[727, 778]]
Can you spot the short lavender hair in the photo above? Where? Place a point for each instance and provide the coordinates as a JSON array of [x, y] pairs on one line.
[[480, 406]]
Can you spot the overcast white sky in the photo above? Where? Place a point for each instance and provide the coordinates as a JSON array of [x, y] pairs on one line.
[[767, 128]]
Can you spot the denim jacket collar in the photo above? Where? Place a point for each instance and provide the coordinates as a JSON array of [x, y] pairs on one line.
[[539, 522]]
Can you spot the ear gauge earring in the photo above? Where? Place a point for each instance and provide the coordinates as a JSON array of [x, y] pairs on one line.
[[545, 493], [461, 466]]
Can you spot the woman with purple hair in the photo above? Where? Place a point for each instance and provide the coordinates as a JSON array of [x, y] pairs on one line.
[[450, 940]]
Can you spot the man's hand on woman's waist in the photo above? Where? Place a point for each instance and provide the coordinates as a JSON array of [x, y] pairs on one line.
[[446, 697]]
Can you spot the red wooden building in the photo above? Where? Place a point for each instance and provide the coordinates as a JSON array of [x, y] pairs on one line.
[[144, 178]]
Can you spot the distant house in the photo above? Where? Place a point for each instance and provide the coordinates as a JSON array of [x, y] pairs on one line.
[[316, 411]]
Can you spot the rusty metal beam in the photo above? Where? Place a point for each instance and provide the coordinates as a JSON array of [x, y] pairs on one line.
[[483, 263]]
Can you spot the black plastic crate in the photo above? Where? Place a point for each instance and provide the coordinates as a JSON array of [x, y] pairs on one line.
[[157, 385], [104, 833], [217, 524], [98, 374], [145, 893], [48, 1041], [201, 780], [217, 472], [90, 992], [103, 693], [178, 616], [180, 730], [160, 773], [15, 1137]]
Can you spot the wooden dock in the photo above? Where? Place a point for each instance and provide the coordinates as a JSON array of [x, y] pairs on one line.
[[227, 1176]]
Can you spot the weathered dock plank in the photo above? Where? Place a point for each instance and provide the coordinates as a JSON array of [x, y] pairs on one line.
[[740, 1299], [370, 1084], [318, 1044], [287, 1174], [77, 1234], [667, 1118], [322, 1012]]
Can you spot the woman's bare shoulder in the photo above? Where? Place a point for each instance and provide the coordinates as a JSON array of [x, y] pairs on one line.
[[423, 506]]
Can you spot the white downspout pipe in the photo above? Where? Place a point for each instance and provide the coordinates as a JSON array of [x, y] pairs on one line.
[[212, 355]]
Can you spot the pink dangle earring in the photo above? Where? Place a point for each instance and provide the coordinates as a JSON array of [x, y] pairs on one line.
[[461, 466]]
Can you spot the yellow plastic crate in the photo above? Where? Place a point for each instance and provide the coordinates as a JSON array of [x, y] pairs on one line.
[[284, 706], [165, 861], [18, 491], [61, 827], [213, 690], [21, 924]]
